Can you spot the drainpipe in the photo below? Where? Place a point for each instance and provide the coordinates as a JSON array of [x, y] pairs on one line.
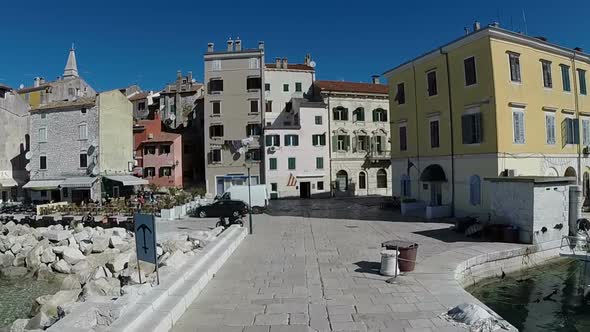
[[576, 109], [329, 139], [417, 136], [261, 149], [452, 134]]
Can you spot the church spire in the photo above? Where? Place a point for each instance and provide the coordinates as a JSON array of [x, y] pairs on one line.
[[71, 69]]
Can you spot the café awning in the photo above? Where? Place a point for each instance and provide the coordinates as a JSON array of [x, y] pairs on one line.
[[43, 184], [78, 182], [128, 180], [7, 183]]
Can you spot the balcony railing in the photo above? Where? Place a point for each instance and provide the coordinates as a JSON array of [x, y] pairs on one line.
[[378, 155]]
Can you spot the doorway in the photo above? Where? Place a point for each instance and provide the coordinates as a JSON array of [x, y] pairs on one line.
[[4, 196], [305, 190], [56, 195], [435, 194]]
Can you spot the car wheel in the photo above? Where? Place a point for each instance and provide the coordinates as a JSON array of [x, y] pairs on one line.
[[236, 214], [202, 214], [256, 210]]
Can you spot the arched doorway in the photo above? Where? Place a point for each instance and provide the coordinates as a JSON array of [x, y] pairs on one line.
[[381, 178], [362, 180], [434, 175], [570, 172], [341, 181]]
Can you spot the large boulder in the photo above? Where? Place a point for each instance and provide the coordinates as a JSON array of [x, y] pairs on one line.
[[59, 249], [119, 262], [101, 272], [48, 304], [40, 321], [99, 244], [62, 266], [85, 247], [118, 242], [33, 259], [19, 259], [72, 255], [175, 245], [6, 259], [27, 240], [19, 325], [70, 282], [101, 287], [44, 273], [82, 236], [48, 256], [10, 226], [176, 259], [55, 235], [131, 276], [16, 248], [13, 272]]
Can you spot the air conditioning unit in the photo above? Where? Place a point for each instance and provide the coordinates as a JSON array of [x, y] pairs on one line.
[[510, 172]]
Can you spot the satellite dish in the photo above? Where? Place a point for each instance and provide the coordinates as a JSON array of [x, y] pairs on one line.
[[28, 167], [312, 64], [28, 155], [172, 117]]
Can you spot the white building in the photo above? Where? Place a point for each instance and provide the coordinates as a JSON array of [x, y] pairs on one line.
[[359, 137]]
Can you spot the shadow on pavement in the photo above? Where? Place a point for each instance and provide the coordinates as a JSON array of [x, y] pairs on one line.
[[368, 267], [448, 235]]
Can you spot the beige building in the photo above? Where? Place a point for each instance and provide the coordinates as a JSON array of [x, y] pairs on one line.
[[233, 115]]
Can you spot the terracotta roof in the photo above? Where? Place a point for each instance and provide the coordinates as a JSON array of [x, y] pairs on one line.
[[339, 86], [139, 96], [163, 137], [78, 103], [294, 66]]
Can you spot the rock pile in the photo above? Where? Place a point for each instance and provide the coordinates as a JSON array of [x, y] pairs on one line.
[[93, 262]]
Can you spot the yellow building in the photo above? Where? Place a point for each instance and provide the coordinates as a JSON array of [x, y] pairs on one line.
[[490, 103]]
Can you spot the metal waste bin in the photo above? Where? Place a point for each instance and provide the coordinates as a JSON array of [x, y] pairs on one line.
[[408, 251]]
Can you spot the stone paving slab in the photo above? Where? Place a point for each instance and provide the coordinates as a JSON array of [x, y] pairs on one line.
[[321, 274]]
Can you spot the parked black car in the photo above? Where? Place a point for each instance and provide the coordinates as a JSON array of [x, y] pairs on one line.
[[224, 208]]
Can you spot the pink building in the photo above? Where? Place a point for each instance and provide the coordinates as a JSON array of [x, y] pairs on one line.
[[158, 154]]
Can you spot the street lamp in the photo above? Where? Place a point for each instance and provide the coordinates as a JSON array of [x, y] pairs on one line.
[[248, 165]]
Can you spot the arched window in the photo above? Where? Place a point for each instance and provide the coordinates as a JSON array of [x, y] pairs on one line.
[[362, 180], [475, 190], [406, 186], [358, 114], [340, 113], [342, 181], [381, 178], [379, 115]]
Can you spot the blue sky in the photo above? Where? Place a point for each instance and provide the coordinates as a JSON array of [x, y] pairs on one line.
[[124, 42]]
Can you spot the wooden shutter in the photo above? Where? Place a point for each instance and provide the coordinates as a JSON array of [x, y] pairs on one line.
[[576, 125], [335, 143], [347, 143], [466, 128]]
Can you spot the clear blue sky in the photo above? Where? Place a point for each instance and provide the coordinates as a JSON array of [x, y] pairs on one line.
[[124, 42]]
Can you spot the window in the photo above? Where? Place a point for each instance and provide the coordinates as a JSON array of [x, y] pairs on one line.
[[320, 185], [565, 77], [291, 163], [266, 86], [165, 171], [149, 149], [434, 134], [71, 92], [272, 163], [318, 140], [285, 87], [215, 85], [550, 128], [291, 140], [216, 108], [254, 106], [216, 65], [43, 193], [403, 138], [363, 143], [141, 106], [83, 160], [253, 155], [269, 105], [342, 143], [83, 131], [340, 113], [514, 60], [471, 127], [253, 129], [42, 162], [570, 131], [475, 190], [319, 163], [359, 114], [42, 134], [318, 119], [362, 180], [381, 178], [547, 79], [379, 115], [518, 126], [586, 132], [400, 97], [298, 87], [83, 111], [216, 131], [431, 81], [253, 83], [215, 156], [470, 72], [273, 140], [378, 147], [164, 149], [254, 63], [582, 80]]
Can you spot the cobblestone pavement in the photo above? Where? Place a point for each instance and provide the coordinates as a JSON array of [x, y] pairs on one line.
[[300, 273]]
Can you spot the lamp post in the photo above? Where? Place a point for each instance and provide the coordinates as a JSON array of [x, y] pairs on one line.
[[248, 166]]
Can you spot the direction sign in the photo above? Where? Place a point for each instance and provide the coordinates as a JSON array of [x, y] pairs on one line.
[[145, 237]]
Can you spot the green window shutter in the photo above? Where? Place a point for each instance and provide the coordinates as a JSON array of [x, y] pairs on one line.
[[319, 163], [291, 163], [346, 142], [296, 140], [466, 129], [334, 143], [268, 140], [273, 163], [323, 139]]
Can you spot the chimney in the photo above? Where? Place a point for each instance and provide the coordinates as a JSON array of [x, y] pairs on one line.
[[238, 44], [261, 45], [285, 63], [189, 76], [210, 47], [278, 63], [375, 79], [36, 81], [230, 45], [495, 24], [41, 80], [476, 26], [307, 59], [178, 75]]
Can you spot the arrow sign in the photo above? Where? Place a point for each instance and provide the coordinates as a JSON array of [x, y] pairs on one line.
[[145, 237]]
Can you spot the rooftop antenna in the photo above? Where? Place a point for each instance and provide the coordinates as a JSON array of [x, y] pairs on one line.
[[526, 30]]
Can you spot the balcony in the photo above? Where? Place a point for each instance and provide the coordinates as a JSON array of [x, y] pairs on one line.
[[378, 155]]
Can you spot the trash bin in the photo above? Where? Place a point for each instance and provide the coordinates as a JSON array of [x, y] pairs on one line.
[[408, 251], [388, 265]]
